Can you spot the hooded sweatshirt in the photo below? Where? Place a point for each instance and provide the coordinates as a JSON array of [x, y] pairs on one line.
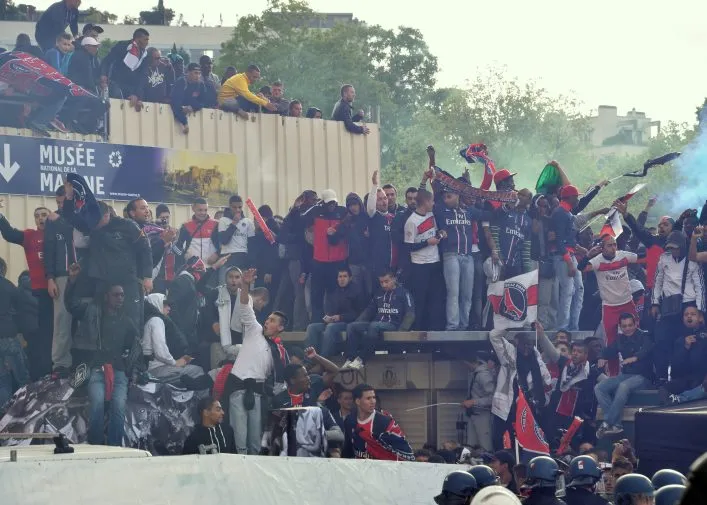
[[356, 228], [210, 440]]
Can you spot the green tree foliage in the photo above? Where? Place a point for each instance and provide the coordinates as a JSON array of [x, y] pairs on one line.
[[93, 15], [105, 47], [523, 125], [158, 15]]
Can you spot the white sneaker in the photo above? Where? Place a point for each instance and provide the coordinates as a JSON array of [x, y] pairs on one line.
[[346, 365], [357, 364]]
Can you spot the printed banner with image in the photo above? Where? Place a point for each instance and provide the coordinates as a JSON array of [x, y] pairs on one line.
[[37, 166]]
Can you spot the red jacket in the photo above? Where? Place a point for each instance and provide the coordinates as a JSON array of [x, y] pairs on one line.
[[33, 243], [328, 248]]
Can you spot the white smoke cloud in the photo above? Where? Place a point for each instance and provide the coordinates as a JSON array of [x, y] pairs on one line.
[[692, 173]]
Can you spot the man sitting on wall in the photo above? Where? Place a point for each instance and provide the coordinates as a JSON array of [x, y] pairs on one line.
[[235, 96]]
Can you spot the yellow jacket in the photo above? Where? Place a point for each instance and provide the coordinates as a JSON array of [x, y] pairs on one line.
[[238, 86]]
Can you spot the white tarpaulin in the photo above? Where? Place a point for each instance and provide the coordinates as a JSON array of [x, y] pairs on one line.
[[221, 479]]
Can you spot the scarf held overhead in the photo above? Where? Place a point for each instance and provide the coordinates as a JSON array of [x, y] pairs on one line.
[[478, 153], [469, 194]]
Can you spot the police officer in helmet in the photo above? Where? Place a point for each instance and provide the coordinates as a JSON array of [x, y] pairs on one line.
[[458, 489], [583, 475], [542, 481], [484, 475], [697, 482], [669, 495], [666, 477], [633, 489]]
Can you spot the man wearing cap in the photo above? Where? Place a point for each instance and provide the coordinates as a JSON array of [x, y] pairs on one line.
[[611, 269], [504, 180], [85, 67], [89, 30], [678, 283], [330, 248], [568, 279], [502, 462]]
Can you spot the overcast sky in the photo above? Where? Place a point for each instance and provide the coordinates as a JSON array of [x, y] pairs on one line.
[[629, 53]]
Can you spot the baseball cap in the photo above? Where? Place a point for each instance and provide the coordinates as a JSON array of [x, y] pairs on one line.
[[60, 191], [329, 195], [635, 285], [502, 175], [568, 191], [91, 26], [89, 41]]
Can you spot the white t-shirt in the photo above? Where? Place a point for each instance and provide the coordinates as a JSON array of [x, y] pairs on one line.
[[239, 241], [254, 361], [419, 229], [612, 277]]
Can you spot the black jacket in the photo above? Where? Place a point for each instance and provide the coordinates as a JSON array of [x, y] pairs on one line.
[[183, 299], [192, 94], [343, 111], [585, 406], [581, 496], [119, 250], [59, 251], [85, 70], [639, 345], [156, 82], [13, 302], [108, 338], [543, 496], [690, 363], [264, 256], [216, 440], [356, 230], [346, 302], [114, 67], [292, 234]]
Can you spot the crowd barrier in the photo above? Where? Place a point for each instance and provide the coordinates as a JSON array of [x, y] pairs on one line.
[[225, 478]]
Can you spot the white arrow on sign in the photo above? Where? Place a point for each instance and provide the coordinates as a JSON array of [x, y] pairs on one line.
[[8, 169]]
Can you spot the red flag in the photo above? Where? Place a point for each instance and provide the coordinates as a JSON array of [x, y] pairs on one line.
[[260, 221], [569, 434], [613, 227], [507, 440], [529, 434]]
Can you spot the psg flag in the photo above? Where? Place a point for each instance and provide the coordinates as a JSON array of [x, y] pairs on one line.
[[529, 434], [514, 301], [613, 227]]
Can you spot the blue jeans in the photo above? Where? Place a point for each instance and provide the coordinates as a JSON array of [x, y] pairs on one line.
[[246, 424], [97, 399], [324, 337], [612, 395], [692, 394], [459, 278], [13, 368], [362, 337], [570, 295]]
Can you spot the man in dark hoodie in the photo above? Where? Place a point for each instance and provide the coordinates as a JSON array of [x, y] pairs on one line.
[[158, 78], [54, 21], [264, 256], [110, 343], [85, 66], [297, 253], [342, 306], [210, 436], [356, 226], [189, 95], [122, 67], [634, 346]]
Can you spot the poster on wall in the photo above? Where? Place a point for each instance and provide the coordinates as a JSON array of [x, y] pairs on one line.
[[37, 166]]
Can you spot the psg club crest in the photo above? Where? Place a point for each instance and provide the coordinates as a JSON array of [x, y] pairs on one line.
[[514, 301], [514, 304]]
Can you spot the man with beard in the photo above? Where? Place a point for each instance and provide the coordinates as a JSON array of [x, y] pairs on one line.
[[108, 338], [521, 366], [260, 357], [635, 347], [573, 395], [158, 78], [611, 269], [689, 369], [32, 241]]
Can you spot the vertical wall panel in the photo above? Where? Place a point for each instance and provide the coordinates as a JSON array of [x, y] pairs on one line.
[[276, 158]]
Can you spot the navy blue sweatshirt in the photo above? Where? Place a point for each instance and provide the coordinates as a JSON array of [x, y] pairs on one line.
[[187, 94], [53, 22], [458, 223], [395, 307]]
